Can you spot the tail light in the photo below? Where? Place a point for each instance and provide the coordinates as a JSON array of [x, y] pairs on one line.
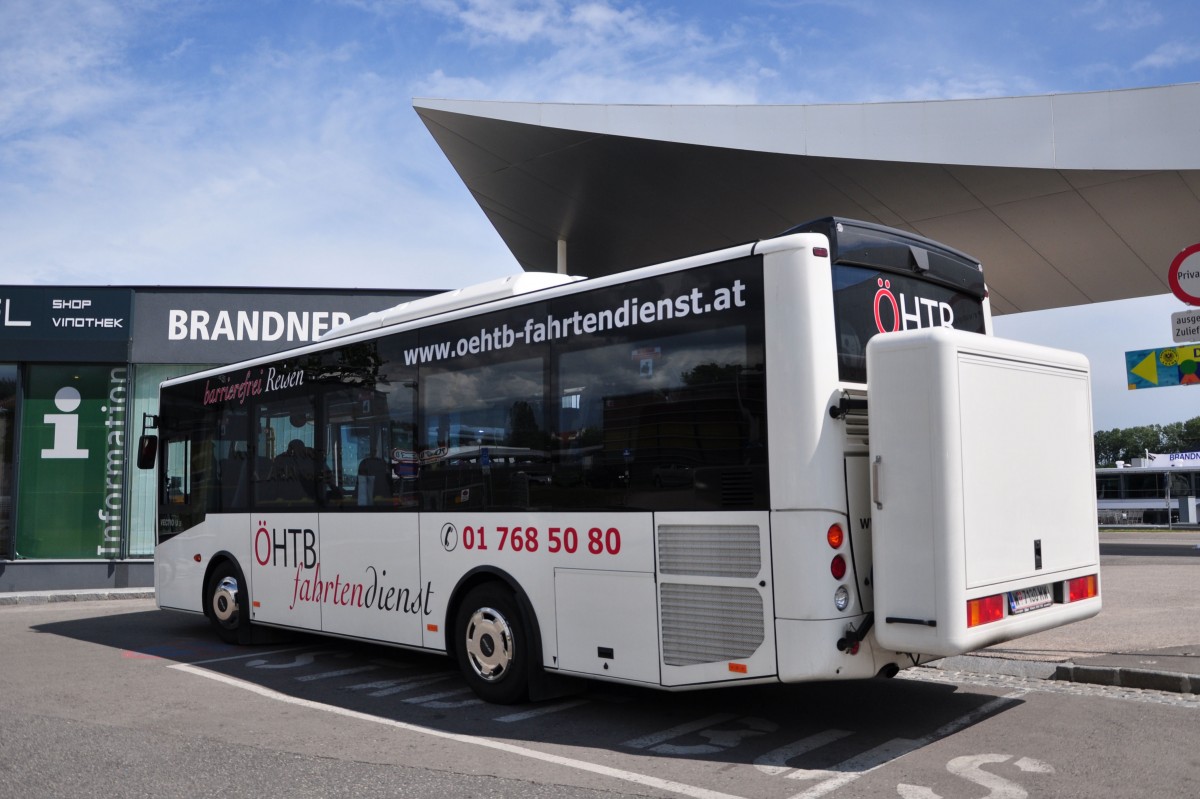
[[985, 610], [1083, 588]]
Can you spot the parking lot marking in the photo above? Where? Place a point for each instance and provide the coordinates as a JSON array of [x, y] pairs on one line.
[[646, 741], [850, 770], [683, 789], [541, 711], [247, 655], [325, 675], [434, 700], [400, 686], [775, 761]]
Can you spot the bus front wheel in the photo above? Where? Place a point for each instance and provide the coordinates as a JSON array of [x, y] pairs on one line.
[[226, 602], [492, 648]]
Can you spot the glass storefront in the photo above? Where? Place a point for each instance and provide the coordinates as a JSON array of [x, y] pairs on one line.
[[141, 482], [8, 434]]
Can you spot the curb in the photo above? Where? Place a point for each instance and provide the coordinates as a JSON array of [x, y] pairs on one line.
[[86, 595], [978, 664], [1115, 676], [1144, 679]]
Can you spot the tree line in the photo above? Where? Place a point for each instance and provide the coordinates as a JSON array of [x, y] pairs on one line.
[[1125, 444]]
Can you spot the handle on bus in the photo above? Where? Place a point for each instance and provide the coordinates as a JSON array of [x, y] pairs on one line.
[[875, 493]]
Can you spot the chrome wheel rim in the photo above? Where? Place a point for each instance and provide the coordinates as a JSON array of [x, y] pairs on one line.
[[489, 642], [225, 603]]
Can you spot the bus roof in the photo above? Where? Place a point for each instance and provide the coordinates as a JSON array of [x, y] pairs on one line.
[[854, 242], [501, 288]]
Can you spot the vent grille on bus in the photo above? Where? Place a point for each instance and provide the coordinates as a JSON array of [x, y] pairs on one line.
[[737, 488], [709, 623], [717, 550], [857, 419]]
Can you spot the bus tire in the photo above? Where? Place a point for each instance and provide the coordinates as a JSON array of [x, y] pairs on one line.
[[225, 602], [492, 645]]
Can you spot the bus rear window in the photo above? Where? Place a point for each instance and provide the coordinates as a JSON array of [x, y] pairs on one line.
[[869, 301]]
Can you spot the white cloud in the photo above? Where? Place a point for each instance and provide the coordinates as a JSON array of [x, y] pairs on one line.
[[57, 64], [1170, 54], [595, 51], [967, 84], [1121, 15], [558, 23], [178, 52], [507, 20], [584, 86], [285, 165]]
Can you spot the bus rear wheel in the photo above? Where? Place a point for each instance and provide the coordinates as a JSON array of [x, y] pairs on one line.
[[226, 602], [492, 646]]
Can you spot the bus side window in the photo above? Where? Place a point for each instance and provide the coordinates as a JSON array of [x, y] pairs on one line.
[[486, 432], [287, 439], [663, 423], [190, 481]]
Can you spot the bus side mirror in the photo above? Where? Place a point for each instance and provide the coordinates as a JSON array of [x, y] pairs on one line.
[[147, 451]]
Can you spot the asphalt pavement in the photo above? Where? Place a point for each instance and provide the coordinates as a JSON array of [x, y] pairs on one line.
[[1147, 635]]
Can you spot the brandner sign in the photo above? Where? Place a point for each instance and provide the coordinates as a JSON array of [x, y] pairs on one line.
[[230, 325]]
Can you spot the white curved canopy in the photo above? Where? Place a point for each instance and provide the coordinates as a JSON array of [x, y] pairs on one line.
[[1067, 199]]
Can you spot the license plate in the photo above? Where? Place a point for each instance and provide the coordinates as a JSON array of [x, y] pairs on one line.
[[1027, 599]]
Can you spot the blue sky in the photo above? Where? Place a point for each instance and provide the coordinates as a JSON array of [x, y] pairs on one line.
[[232, 142]]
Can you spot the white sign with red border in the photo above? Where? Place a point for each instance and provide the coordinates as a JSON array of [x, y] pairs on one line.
[[1184, 276]]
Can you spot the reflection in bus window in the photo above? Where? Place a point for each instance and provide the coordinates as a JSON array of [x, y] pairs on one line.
[[484, 435], [870, 301], [288, 448], [661, 424]]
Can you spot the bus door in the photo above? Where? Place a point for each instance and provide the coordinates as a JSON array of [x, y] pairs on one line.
[[858, 500], [369, 584], [287, 554], [367, 581]]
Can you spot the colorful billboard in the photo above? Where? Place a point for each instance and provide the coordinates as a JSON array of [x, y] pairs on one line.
[[1168, 366]]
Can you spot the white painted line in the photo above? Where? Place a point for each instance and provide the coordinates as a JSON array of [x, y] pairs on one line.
[[541, 711], [646, 741], [251, 655], [305, 658], [400, 686], [408, 683], [775, 761], [420, 700], [388, 663], [470, 740], [474, 700], [975, 715], [326, 675], [850, 770]]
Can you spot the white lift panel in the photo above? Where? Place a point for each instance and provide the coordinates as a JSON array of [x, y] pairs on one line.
[[983, 484]]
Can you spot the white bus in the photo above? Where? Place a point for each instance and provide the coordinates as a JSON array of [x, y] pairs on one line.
[[707, 472]]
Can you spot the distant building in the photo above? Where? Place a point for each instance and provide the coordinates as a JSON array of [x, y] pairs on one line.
[[1156, 490]]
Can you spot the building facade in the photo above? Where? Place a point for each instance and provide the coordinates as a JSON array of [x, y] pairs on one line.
[[79, 370]]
